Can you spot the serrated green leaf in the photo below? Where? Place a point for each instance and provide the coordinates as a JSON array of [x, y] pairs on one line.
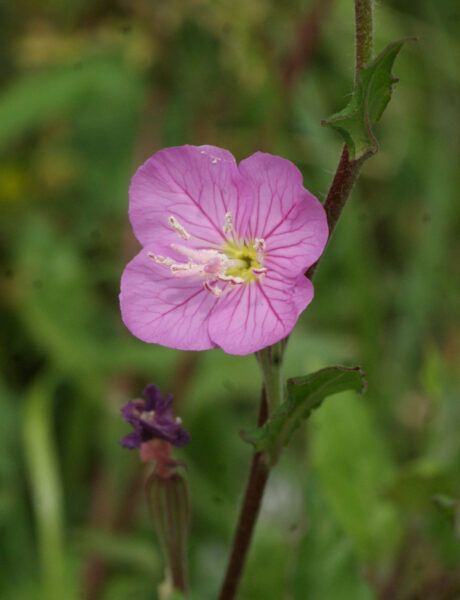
[[371, 95], [304, 394]]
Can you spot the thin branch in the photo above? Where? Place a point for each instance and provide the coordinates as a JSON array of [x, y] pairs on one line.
[[248, 516], [347, 171]]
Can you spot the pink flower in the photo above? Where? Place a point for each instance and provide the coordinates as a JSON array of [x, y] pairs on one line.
[[225, 248]]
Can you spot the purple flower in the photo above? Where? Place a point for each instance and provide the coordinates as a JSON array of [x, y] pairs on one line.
[[225, 249], [152, 419]]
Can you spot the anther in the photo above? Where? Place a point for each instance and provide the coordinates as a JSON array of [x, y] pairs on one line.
[[178, 228], [148, 415], [215, 291], [230, 279], [160, 260], [259, 246], [228, 227], [175, 268]]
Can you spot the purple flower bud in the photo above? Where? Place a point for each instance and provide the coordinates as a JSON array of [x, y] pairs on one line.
[[151, 419]]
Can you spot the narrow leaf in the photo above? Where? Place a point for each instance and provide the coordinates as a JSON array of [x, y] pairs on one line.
[[371, 95], [304, 394]]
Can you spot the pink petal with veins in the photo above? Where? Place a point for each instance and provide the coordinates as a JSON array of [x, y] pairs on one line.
[[161, 309], [287, 216], [255, 316], [197, 185]]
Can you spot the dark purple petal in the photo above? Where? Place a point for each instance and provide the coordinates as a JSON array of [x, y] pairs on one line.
[[132, 440], [164, 407], [154, 401], [165, 429], [131, 413], [182, 438], [152, 397], [152, 419]]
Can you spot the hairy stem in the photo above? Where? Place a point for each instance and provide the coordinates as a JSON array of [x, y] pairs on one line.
[[364, 32], [270, 358], [248, 516]]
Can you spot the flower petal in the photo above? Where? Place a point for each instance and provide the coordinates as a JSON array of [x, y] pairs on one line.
[[197, 185], [161, 309], [131, 440], [287, 216], [165, 429], [303, 293], [153, 398], [257, 315]]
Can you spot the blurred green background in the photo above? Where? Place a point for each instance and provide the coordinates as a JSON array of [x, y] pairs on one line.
[[90, 89]]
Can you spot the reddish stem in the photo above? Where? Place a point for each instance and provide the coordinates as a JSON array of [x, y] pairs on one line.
[[248, 516]]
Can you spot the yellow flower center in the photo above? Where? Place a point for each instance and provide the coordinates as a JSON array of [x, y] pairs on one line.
[[245, 260]]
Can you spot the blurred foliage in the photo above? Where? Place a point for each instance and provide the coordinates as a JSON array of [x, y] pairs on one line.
[[89, 91]]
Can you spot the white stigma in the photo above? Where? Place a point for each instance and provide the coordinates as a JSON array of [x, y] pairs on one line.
[[174, 223]]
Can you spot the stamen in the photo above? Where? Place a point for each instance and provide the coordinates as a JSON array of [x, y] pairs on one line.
[[202, 256], [160, 260], [259, 245], [230, 279], [178, 228], [215, 291], [181, 267], [184, 270], [259, 270], [228, 227], [148, 415]]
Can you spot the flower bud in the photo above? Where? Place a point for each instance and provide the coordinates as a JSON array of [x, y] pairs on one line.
[[169, 506]]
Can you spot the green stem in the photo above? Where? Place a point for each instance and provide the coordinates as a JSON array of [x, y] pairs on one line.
[[271, 363]]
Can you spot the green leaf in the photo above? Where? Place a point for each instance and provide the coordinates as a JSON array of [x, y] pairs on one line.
[[355, 468], [371, 95], [304, 394]]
